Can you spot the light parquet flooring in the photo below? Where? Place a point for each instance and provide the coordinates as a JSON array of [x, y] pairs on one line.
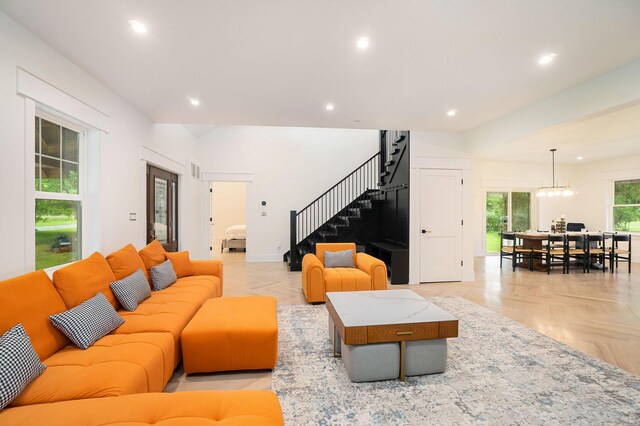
[[596, 313]]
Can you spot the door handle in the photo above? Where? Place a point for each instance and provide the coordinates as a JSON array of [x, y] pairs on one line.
[[426, 231]]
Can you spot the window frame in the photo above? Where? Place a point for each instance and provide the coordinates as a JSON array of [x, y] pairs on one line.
[[82, 176], [614, 205]]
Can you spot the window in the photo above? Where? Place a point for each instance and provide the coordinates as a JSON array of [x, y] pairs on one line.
[[506, 211], [58, 192], [626, 205]]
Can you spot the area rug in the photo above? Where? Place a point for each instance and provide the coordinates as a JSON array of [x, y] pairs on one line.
[[498, 372]]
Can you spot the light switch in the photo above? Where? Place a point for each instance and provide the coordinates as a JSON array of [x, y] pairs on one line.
[[132, 217], [264, 213]]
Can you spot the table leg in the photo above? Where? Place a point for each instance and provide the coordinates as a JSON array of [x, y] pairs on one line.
[[403, 348], [336, 336]]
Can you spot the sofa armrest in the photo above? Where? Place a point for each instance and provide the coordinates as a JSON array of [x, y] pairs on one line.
[[375, 268], [313, 278], [208, 267]]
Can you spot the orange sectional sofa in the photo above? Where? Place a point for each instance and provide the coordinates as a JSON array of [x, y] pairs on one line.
[[137, 357]]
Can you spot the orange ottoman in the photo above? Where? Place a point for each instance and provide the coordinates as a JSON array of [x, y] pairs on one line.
[[232, 333]]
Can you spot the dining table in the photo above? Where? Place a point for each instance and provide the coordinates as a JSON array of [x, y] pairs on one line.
[[533, 241]]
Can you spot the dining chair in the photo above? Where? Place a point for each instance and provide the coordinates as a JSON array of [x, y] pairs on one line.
[[596, 249], [552, 251], [616, 254], [509, 249], [575, 247]]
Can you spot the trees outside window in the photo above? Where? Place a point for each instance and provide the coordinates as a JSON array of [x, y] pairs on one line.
[[506, 211], [626, 205]]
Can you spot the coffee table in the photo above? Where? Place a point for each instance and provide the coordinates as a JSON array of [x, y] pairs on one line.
[[371, 331]]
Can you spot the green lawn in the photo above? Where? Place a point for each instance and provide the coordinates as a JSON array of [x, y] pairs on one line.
[[634, 227], [56, 221], [493, 241], [45, 257]]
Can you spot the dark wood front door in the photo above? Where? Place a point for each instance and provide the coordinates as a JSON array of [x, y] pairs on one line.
[[162, 208]]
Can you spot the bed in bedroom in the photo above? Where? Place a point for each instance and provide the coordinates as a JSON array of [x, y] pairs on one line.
[[235, 238]]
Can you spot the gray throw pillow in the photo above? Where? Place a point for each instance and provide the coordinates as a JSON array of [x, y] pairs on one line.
[[87, 322], [132, 290], [163, 275], [338, 259], [19, 364]]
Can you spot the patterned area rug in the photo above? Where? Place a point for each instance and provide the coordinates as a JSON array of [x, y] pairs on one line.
[[498, 372]]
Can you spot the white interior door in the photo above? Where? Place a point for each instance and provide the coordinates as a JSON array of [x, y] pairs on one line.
[[440, 225]]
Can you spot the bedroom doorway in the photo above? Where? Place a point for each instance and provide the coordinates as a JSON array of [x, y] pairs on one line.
[[228, 219]]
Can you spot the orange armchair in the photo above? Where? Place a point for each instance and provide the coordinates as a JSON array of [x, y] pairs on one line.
[[369, 273]]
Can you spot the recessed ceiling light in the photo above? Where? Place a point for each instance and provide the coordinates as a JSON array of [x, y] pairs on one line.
[[363, 42], [579, 158], [452, 112], [329, 107], [547, 59], [138, 26], [194, 102]]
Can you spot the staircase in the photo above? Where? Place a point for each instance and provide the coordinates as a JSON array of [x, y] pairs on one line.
[[351, 210]]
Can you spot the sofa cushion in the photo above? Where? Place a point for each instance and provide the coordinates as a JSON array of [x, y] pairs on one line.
[[88, 321], [339, 259], [207, 284], [245, 407], [30, 299], [153, 317], [132, 290], [152, 254], [125, 262], [115, 365], [81, 280], [181, 263], [19, 364], [162, 275], [346, 279]]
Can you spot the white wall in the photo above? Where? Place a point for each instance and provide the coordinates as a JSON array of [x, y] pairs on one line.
[[132, 139], [228, 208], [493, 175], [595, 201], [440, 150], [286, 167]]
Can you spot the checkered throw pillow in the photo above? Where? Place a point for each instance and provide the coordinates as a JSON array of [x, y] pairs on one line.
[[88, 321], [132, 290], [19, 364], [163, 275]]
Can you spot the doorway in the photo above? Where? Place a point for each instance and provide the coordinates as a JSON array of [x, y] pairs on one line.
[[162, 207], [440, 225], [228, 219], [505, 210]]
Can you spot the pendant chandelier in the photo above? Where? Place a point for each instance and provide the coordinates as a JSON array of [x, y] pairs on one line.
[[554, 190]]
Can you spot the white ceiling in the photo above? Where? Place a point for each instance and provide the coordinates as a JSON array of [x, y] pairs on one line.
[[278, 62], [609, 135]]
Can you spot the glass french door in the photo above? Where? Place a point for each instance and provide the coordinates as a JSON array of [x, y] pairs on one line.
[[505, 211], [162, 208]]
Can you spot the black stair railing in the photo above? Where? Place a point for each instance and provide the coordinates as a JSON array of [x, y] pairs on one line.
[[354, 186]]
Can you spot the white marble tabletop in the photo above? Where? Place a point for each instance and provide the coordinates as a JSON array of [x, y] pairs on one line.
[[364, 308]]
